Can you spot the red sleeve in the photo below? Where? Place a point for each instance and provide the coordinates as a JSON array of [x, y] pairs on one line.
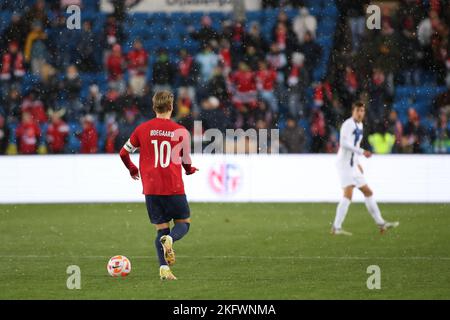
[[134, 139], [186, 150], [129, 146], [125, 156]]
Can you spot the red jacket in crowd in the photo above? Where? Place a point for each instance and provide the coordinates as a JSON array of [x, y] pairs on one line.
[[35, 108], [266, 79], [12, 64], [322, 92], [225, 57], [88, 138], [27, 134], [137, 62], [112, 131], [351, 80], [244, 81], [115, 64], [57, 133]]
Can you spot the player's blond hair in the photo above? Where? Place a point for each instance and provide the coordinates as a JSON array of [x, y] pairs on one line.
[[162, 101]]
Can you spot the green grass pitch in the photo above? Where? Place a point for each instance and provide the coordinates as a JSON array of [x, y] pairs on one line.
[[233, 251]]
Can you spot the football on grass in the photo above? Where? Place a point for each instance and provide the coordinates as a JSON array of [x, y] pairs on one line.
[[119, 266]]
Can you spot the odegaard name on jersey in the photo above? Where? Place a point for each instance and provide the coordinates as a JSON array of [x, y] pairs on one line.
[[162, 133]]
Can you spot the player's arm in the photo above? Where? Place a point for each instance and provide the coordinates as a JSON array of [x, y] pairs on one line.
[[347, 142], [186, 160], [125, 156]]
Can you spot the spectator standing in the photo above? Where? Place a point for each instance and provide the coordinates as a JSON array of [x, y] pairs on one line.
[[12, 68], [381, 141], [225, 56], [93, 103], [115, 68], [441, 134], [297, 82], [188, 75], [112, 131], [303, 23], [255, 39], [28, 135], [112, 34], [278, 61], [72, 88], [395, 126], [293, 137], [163, 72], [48, 87], [36, 13], [251, 57], [414, 134], [266, 80], [244, 83], [88, 136], [319, 132], [356, 19], [86, 49], [34, 107], [57, 133], [206, 32], [411, 54], [213, 116], [217, 85], [11, 105], [137, 68], [15, 32], [379, 95], [312, 52], [36, 53], [207, 60]]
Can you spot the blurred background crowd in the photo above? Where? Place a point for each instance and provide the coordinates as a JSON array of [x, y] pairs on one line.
[[295, 66]]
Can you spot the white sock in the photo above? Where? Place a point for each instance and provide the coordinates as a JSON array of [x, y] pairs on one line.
[[341, 212], [374, 211]]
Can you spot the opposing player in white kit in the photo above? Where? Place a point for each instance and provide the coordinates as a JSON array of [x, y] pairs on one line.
[[351, 173]]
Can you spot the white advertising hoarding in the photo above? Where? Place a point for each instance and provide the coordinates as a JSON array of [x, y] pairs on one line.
[[232, 178], [184, 5]]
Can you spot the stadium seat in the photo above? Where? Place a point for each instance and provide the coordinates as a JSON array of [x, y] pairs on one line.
[[5, 19], [271, 15], [217, 16], [330, 10], [315, 10], [196, 17], [422, 108], [255, 16]]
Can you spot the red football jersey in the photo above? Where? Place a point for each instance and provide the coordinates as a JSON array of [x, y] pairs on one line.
[[164, 146]]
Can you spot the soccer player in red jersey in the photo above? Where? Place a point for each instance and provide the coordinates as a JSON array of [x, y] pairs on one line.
[[164, 148]]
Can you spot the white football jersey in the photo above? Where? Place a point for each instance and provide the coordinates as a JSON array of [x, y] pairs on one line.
[[350, 138]]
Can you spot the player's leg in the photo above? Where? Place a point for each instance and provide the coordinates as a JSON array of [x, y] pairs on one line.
[[177, 209], [341, 211], [180, 228], [180, 212], [162, 230], [155, 211], [374, 211]]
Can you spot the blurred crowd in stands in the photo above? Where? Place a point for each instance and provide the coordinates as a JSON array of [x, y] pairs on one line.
[[239, 78]]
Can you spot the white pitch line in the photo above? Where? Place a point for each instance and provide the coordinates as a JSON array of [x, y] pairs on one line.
[[232, 257]]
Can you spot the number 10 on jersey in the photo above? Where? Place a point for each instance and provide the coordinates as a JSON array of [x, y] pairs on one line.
[[162, 153]]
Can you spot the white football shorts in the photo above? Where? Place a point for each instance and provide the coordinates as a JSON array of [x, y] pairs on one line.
[[350, 176]]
